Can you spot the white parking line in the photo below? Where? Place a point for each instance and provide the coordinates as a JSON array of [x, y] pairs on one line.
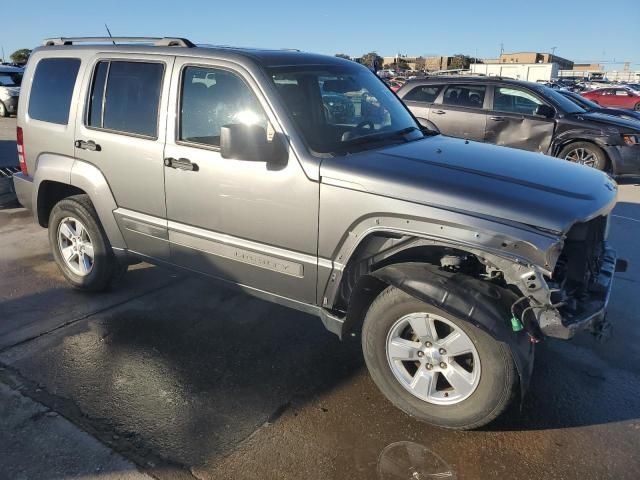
[[626, 218]]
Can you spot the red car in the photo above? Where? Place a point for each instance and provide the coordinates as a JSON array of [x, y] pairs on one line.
[[617, 97]]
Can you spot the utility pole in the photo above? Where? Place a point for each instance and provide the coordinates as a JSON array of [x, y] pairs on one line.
[[2, 60], [501, 48]]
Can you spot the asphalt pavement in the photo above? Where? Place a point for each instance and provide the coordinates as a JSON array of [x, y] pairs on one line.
[[170, 376]]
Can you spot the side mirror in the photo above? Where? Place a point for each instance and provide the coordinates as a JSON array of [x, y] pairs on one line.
[[426, 126], [251, 143], [545, 111]]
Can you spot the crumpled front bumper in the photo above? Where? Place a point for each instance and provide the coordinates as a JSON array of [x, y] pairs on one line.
[[625, 159], [593, 316]]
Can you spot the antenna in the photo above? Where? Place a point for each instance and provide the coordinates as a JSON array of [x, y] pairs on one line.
[[110, 36]]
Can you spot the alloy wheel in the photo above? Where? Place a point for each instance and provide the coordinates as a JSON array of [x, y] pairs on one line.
[[75, 246], [582, 156], [433, 359]]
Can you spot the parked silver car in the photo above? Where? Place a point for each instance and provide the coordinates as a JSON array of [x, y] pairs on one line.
[[451, 258], [10, 80]]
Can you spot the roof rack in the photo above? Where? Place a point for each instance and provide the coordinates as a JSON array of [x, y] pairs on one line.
[[156, 41]]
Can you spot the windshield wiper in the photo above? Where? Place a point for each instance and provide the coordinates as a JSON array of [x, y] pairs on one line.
[[376, 137]]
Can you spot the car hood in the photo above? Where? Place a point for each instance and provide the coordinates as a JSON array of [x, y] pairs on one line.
[[627, 114], [505, 184], [608, 120]]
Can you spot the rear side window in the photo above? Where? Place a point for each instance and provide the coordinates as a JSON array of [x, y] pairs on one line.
[[424, 93], [125, 97], [470, 96], [52, 89]]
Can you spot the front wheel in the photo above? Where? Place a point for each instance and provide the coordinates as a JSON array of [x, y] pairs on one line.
[[585, 153], [436, 367], [80, 246], [637, 107], [3, 110]]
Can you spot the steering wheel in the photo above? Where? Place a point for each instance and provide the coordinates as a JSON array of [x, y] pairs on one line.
[[365, 123]]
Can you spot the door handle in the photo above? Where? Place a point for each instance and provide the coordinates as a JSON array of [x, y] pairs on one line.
[[88, 145], [181, 164], [497, 119], [439, 112]]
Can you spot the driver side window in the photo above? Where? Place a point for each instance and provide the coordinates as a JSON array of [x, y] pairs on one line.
[[212, 98], [513, 100]]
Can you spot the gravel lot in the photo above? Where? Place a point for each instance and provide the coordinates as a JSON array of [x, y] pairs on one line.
[[170, 376]]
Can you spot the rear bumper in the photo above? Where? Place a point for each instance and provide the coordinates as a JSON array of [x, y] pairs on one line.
[[23, 185]]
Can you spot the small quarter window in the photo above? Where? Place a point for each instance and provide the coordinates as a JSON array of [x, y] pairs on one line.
[[52, 89], [125, 97]]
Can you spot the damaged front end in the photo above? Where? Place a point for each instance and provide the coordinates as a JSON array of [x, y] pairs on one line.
[[575, 297]]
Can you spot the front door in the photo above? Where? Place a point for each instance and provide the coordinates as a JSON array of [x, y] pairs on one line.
[[459, 112], [246, 222], [513, 121]]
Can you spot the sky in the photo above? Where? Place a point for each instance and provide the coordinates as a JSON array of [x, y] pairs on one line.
[[582, 31]]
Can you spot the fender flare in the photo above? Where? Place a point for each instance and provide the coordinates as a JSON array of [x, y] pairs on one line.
[[90, 179], [480, 303]]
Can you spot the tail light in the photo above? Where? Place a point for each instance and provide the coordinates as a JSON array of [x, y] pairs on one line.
[[21, 159]]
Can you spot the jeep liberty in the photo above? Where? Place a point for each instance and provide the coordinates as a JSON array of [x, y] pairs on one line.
[[302, 179]]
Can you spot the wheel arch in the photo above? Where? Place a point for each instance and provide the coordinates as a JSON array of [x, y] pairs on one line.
[[58, 177], [568, 138], [482, 304]]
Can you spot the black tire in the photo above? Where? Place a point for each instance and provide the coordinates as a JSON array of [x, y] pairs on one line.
[[498, 381], [3, 110], [106, 269], [600, 162], [637, 107]]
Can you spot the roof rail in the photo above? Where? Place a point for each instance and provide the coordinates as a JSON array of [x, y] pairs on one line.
[[156, 41]]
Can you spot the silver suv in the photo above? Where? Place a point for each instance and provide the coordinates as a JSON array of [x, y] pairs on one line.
[[303, 179]]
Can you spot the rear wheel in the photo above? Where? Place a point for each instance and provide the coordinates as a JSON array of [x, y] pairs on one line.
[[637, 107], [585, 153], [3, 110], [434, 366], [80, 246]]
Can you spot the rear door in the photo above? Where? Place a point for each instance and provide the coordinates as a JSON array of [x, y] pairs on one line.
[[513, 122], [121, 132], [420, 98], [460, 111]]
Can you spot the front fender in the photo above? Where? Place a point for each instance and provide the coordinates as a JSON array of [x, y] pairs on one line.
[[480, 303]]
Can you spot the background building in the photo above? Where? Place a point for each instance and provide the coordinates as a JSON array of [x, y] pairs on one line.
[[531, 72], [531, 57]]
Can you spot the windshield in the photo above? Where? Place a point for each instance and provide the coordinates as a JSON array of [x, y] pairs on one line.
[[567, 105], [580, 100], [10, 79], [342, 108]]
